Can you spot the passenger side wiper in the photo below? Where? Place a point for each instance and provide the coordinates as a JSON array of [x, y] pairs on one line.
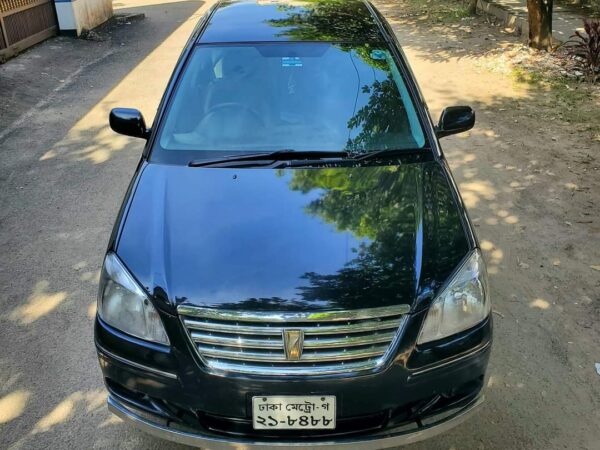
[[278, 155], [389, 153]]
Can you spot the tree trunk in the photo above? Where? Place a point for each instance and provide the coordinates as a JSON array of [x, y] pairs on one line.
[[540, 23], [472, 7]]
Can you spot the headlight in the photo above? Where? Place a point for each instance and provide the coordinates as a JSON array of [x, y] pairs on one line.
[[462, 304], [123, 304]]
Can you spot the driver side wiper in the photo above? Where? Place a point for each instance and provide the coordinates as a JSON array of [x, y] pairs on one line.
[[278, 155]]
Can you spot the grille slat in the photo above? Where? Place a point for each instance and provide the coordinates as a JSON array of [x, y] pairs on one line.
[[272, 370], [346, 341], [254, 343], [277, 343], [244, 355], [276, 331], [202, 338]]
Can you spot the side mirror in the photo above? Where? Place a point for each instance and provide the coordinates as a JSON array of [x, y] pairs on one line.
[[455, 119], [129, 122]]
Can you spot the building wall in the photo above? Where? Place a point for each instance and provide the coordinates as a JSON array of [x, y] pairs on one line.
[[75, 16], [24, 23]]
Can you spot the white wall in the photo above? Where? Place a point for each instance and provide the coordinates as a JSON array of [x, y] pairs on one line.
[[79, 15]]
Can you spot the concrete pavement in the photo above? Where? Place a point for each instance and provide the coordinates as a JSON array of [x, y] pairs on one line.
[[63, 174]]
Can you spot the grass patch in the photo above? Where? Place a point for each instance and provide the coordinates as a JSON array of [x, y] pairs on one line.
[[574, 102], [521, 75]]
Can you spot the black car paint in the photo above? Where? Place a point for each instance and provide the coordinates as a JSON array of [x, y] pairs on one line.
[[293, 239], [436, 213]]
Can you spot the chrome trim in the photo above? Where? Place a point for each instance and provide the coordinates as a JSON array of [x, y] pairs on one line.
[[280, 358], [235, 342], [248, 342], [377, 338], [308, 343], [451, 361], [319, 316], [344, 368], [392, 438], [384, 324], [135, 364]]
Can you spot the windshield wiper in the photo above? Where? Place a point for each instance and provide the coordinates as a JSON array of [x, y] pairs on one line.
[[278, 155], [389, 153]]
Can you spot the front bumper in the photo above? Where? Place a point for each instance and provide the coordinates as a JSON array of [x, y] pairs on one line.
[[166, 392], [390, 438]]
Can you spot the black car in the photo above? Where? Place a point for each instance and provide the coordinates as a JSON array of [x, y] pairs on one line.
[[292, 265]]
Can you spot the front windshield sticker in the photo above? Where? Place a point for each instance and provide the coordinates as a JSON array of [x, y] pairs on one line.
[[291, 61]]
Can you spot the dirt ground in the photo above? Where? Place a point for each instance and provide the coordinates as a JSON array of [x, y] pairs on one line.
[[528, 172]]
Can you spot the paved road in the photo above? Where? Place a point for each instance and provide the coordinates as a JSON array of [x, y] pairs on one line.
[[63, 174]]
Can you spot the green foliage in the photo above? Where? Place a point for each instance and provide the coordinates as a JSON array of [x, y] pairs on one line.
[[325, 20], [379, 118], [531, 77], [376, 204], [330, 20], [585, 47], [570, 100], [386, 208], [364, 204]]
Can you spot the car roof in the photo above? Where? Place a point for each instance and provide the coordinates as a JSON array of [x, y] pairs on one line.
[[346, 21]]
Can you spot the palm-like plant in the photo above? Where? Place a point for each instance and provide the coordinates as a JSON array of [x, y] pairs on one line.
[[586, 47]]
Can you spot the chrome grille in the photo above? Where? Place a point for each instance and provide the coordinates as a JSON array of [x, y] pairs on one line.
[[254, 343]]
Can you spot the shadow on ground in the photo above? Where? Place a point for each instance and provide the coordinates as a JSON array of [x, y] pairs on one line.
[[62, 175]]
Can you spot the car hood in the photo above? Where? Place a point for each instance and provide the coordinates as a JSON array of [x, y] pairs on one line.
[[294, 239]]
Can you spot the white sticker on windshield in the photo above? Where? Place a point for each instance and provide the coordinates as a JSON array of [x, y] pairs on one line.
[[291, 61]]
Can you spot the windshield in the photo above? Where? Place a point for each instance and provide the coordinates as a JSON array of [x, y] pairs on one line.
[[297, 96]]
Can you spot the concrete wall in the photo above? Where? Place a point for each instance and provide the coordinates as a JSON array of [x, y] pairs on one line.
[[75, 16]]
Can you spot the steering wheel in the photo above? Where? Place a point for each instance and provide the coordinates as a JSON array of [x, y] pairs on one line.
[[238, 109]]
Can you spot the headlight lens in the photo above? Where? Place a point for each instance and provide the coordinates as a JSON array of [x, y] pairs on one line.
[[461, 305], [123, 304]]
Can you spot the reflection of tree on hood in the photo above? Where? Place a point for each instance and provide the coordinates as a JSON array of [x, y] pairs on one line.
[[370, 205], [381, 206], [366, 203], [363, 277]]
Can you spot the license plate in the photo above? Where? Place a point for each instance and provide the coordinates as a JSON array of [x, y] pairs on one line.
[[287, 412]]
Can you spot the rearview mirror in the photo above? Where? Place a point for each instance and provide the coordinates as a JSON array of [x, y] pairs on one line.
[[455, 119], [129, 122]]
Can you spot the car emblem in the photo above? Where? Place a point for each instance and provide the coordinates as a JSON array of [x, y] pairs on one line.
[[293, 341]]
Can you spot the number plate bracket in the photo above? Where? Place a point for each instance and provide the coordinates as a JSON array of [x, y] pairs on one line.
[[294, 412]]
